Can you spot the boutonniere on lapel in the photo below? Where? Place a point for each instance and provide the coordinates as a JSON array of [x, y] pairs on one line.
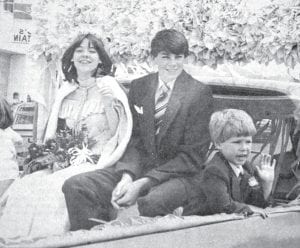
[[138, 109], [253, 182]]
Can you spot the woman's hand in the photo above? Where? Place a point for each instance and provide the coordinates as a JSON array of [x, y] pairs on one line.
[[65, 89], [266, 168], [105, 90], [107, 94]]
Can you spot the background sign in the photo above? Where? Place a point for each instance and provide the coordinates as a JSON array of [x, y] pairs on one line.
[[22, 35]]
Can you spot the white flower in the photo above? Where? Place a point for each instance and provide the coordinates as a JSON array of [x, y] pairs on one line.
[[253, 182], [79, 156]]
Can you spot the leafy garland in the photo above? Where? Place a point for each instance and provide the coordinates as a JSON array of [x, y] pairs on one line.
[[217, 30]]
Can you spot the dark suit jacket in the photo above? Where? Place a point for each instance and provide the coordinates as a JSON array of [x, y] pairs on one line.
[[224, 192], [180, 148]]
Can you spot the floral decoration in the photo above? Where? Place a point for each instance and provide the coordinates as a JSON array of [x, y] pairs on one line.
[[217, 30], [66, 149]]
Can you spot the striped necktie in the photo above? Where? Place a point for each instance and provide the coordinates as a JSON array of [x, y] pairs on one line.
[[160, 106]]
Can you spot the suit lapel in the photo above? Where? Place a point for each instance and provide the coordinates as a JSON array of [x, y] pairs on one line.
[[173, 105], [245, 181], [236, 188], [147, 123]]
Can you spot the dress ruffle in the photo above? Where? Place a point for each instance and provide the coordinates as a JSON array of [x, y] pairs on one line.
[[70, 109]]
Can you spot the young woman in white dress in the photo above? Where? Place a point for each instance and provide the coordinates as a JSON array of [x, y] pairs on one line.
[[34, 206]]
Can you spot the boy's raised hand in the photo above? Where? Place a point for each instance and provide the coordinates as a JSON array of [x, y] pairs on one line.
[[266, 168]]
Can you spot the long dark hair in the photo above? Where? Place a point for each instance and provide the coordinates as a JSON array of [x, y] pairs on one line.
[[68, 68], [6, 117]]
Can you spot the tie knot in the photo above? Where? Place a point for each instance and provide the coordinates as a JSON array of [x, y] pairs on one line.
[[240, 176], [163, 92], [164, 88]]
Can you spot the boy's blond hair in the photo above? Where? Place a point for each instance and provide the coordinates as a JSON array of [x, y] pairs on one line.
[[229, 123]]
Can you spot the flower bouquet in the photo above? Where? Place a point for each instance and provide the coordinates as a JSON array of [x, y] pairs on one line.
[[65, 150]]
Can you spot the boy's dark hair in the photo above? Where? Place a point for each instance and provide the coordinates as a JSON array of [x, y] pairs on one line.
[[68, 68], [170, 41], [6, 117]]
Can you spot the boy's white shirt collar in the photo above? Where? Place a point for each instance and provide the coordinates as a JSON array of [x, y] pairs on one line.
[[237, 170], [170, 84]]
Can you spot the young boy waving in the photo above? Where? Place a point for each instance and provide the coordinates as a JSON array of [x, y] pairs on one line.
[[228, 182]]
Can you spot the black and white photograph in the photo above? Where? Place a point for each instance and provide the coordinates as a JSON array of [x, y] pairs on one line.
[[150, 123]]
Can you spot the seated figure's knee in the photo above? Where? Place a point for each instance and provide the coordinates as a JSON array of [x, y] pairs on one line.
[[151, 206], [71, 184]]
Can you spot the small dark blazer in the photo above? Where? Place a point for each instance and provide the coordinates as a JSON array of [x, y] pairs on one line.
[[224, 192], [180, 148]]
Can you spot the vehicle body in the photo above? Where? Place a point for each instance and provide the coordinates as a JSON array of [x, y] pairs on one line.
[[274, 107]]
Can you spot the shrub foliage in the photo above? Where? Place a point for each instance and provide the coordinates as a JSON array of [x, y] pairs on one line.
[[217, 30]]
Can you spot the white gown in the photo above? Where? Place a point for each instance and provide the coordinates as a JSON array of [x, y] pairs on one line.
[[34, 205], [8, 162]]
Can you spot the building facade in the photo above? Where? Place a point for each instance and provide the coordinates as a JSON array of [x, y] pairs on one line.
[[16, 31]]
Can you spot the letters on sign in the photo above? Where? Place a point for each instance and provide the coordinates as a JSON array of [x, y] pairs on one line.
[[23, 36]]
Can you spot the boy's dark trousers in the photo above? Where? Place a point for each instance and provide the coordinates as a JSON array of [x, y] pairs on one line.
[[91, 198]]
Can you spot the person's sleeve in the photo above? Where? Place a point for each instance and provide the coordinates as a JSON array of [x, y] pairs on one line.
[[130, 161], [192, 152], [218, 197]]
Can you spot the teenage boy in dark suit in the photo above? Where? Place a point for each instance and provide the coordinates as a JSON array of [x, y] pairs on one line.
[[170, 139]]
